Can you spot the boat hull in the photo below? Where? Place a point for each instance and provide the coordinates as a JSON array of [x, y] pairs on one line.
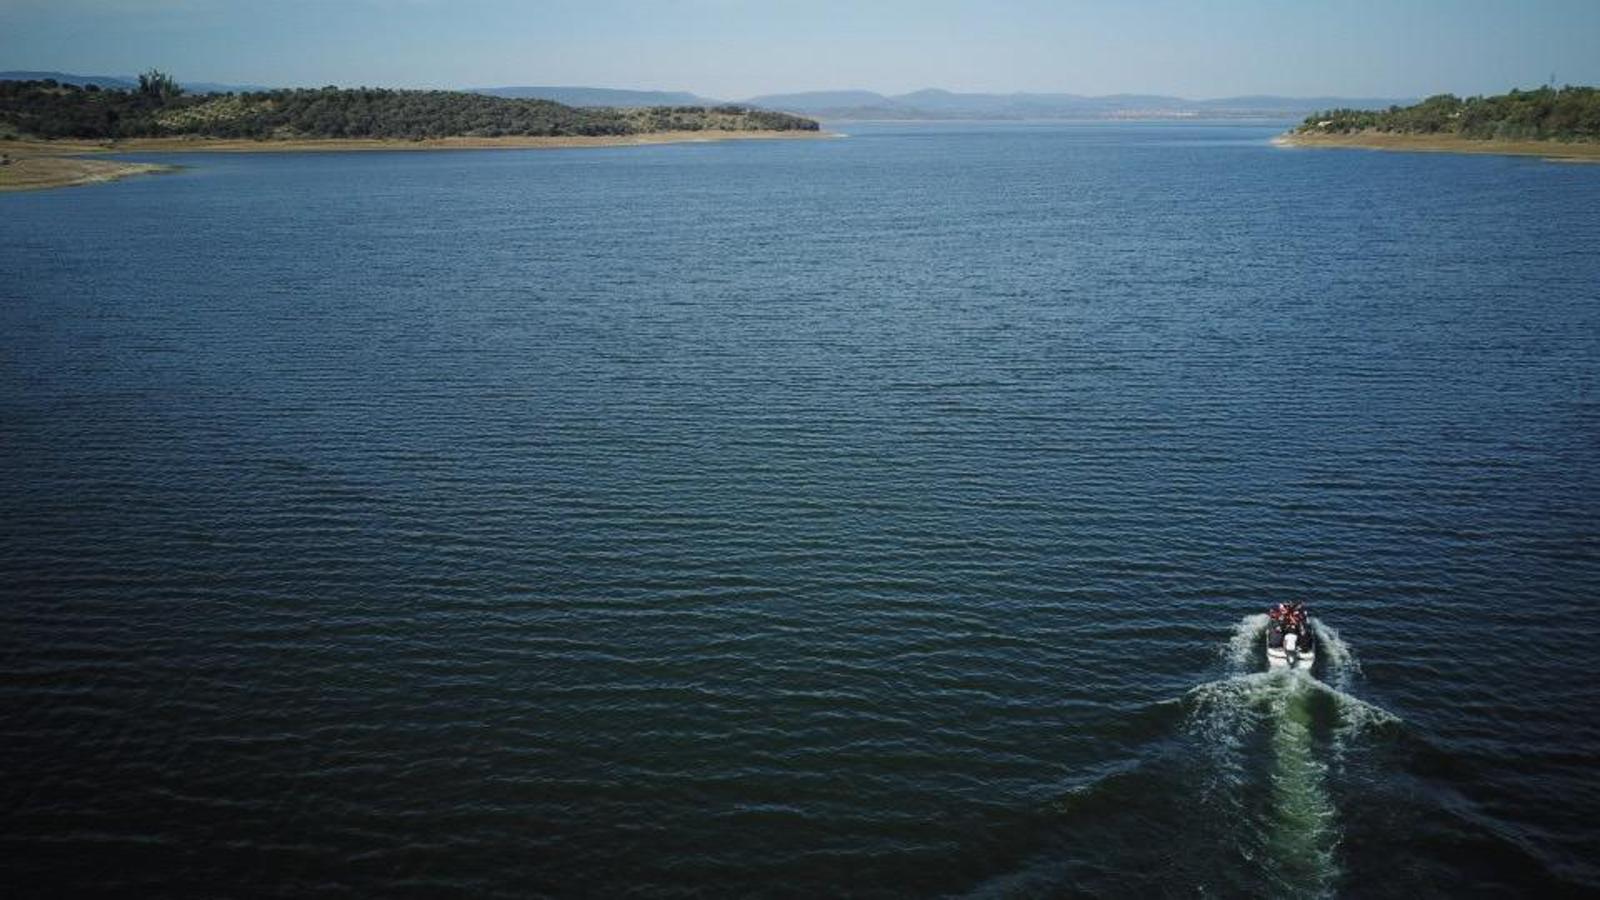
[[1295, 650], [1278, 658]]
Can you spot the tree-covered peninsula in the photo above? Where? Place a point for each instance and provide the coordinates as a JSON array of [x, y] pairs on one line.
[[1560, 124], [158, 107], [1546, 114]]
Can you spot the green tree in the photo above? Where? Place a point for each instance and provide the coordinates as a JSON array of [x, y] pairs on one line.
[[158, 85]]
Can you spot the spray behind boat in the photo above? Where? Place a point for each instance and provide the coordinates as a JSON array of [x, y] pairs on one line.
[[1274, 740]]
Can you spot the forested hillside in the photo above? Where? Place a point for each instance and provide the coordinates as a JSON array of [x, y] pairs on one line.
[[157, 107], [1564, 114]]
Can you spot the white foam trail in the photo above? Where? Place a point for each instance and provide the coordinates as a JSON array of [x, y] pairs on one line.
[[1340, 666], [1225, 711], [1241, 651], [1301, 830], [1296, 835], [1356, 716], [1222, 710], [1303, 821], [1342, 669], [1222, 716]]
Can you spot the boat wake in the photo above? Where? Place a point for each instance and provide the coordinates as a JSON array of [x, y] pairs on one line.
[[1232, 701], [1269, 738], [1236, 794]]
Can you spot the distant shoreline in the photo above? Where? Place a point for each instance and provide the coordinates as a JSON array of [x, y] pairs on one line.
[[1555, 151], [513, 142], [36, 165]]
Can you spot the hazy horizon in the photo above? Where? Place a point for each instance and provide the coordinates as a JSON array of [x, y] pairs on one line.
[[731, 50], [200, 79]]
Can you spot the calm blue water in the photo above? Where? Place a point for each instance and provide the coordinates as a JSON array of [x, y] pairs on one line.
[[887, 516]]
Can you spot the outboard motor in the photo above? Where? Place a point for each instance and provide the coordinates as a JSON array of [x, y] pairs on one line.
[[1291, 647]]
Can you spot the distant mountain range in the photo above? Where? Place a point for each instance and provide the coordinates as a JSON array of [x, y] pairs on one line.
[[948, 105], [937, 104], [862, 105], [124, 82], [103, 81], [590, 96], [570, 96]]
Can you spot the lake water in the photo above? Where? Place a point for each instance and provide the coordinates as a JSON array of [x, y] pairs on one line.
[[888, 516]]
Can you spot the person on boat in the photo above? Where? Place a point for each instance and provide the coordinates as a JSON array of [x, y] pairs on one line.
[[1278, 624], [1297, 616]]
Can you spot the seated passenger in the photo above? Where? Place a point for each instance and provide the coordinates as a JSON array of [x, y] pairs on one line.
[[1297, 616]]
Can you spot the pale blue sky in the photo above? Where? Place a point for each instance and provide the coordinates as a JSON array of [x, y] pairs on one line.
[[737, 48]]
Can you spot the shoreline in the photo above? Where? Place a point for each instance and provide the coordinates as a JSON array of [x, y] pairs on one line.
[[512, 142], [1554, 151], [39, 165], [26, 171]]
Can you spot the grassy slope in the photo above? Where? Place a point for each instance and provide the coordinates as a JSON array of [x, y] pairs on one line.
[[1372, 139], [1556, 123]]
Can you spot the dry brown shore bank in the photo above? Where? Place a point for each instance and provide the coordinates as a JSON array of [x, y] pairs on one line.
[[1433, 143], [31, 166], [42, 164]]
